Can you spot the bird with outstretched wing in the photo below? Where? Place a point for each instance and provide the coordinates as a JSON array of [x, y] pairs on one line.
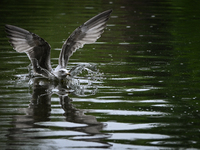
[[38, 50]]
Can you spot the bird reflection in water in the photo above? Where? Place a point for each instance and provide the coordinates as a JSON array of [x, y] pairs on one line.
[[39, 110], [40, 104]]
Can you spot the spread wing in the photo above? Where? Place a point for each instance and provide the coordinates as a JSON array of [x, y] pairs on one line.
[[37, 49], [87, 33]]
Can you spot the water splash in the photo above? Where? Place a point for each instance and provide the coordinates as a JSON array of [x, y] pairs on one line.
[[86, 69], [84, 81]]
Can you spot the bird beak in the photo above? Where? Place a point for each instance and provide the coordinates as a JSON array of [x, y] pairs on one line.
[[68, 74]]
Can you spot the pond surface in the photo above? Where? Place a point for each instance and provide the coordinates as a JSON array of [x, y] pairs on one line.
[[143, 91]]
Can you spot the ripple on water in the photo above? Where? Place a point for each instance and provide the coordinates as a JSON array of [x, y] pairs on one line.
[[61, 124], [127, 112]]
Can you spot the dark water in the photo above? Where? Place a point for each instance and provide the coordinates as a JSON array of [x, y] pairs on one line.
[[143, 94]]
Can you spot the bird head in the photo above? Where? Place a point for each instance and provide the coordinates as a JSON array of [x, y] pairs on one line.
[[61, 73]]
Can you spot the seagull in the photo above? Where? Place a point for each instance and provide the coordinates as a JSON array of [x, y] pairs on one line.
[[38, 50]]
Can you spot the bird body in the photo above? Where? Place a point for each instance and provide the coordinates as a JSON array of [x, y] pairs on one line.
[[38, 50]]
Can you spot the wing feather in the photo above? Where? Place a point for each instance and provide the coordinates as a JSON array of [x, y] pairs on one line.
[[87, 33], [37, 49]]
